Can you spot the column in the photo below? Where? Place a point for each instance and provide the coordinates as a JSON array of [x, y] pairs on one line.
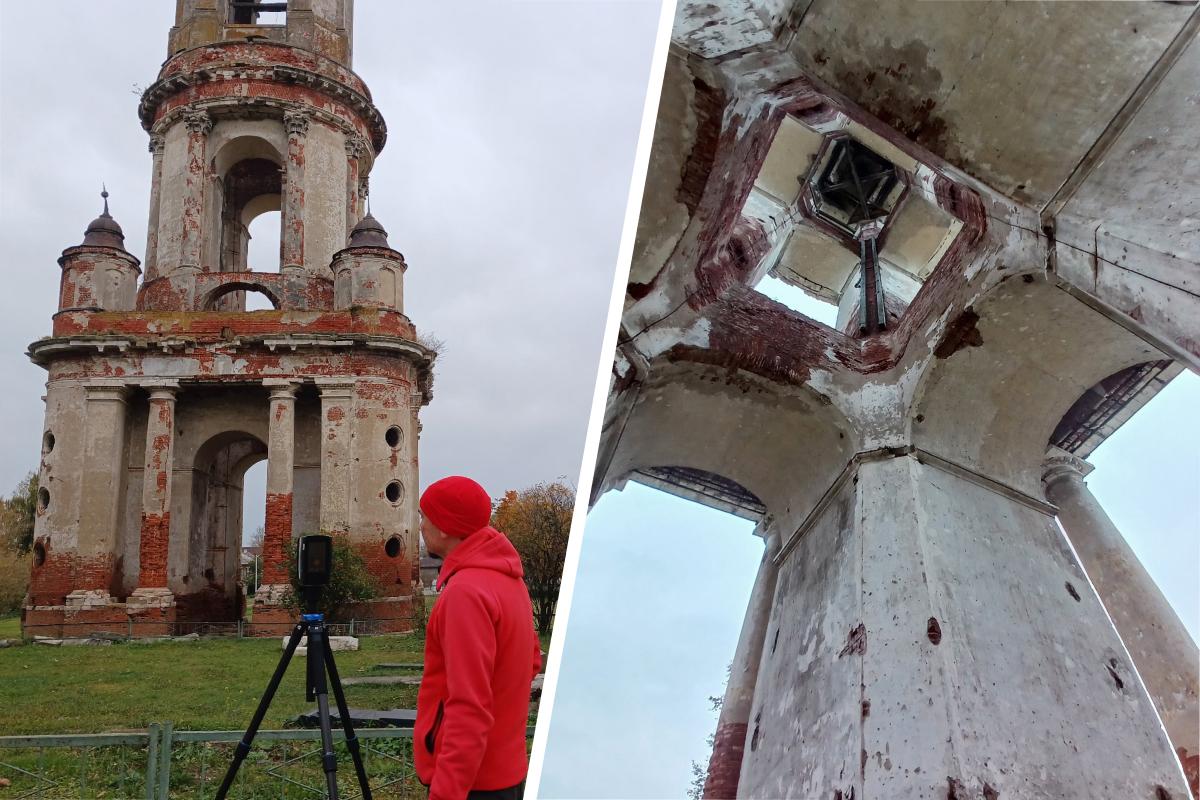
[[156, 496], [415, 398], [157, 144], [933, 635], [356, 148], [195, 176], [101, 494], [337, 412], [281, 458], [1165, 654], [725, 764], [291, 256]]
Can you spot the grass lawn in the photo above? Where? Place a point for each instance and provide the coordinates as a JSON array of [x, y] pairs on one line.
[[10, 627], [210, 684]]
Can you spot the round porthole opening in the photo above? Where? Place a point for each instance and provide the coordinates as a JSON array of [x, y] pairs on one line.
[[48, 442], [393, 546], [39, 554], [393, 437], [43, 498], [394, 492]]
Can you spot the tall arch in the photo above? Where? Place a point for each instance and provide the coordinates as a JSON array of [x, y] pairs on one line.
[[215, 529], [1008, 370]]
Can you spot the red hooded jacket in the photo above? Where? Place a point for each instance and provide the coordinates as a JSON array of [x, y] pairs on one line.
[[481, 655]]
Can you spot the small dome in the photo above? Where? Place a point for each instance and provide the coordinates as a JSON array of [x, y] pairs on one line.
[[368, 233], [104, 231]]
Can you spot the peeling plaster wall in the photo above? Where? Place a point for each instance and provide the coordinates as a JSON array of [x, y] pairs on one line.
[[664, 215], [919, 624], [1006, 373], [785, 450]]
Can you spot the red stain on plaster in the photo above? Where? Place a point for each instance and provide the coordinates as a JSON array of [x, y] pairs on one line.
[[1191, 768], [856, 641]]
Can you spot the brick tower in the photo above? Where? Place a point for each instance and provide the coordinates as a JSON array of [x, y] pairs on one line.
[[163, 389]]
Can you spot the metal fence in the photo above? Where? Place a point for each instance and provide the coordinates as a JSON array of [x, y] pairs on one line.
[[161, 763], [236, 629]]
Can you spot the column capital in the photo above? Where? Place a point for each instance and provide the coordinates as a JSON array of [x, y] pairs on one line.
[[158, 143], [198, 121], [281, 388], [118, 392], [356, 146], [296, 122], [335, 388], [1059, 465], [161, 390]]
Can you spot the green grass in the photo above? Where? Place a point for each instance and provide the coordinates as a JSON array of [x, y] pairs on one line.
[[210, 684], [204, 685], [10, 627]]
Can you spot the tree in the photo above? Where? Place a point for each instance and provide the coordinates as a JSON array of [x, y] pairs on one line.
[[538, 522], [17, 515]]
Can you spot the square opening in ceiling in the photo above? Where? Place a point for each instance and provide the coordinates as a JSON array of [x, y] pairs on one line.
[[816, 194]]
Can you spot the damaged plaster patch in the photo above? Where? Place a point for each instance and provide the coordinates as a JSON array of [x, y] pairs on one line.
[[961, 333], [656, 341], [856, 641]]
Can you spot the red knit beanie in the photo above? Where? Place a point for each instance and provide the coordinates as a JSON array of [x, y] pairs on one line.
[[458, 506]]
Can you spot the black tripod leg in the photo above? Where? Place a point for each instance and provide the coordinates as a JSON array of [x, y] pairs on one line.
[[243, 748], [318, 687], [344, 712]]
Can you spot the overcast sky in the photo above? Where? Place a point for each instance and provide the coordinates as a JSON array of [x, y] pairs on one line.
[[511, 135], [663, 584]]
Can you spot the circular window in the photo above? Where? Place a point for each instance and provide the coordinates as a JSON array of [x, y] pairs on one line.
[[48, 442], [394, 436], [39, 554], [43, 498], [394, 492], [393, 547]]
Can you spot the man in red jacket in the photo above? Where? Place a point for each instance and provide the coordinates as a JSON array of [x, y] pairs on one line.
[[481, 653]]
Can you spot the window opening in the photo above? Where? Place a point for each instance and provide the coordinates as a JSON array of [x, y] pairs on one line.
[[394, 492], [393, 547], [799, 300], [255, 12], [393, 437]]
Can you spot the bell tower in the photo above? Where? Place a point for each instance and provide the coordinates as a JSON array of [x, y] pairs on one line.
[[163, 389]]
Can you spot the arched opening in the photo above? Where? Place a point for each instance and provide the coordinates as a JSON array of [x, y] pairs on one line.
[[668, 582], [217, 300], [250, 194], [214, 590], [254, 501]]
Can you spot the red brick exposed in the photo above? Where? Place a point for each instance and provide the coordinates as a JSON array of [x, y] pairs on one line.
[[152, 550], [277, 532], [725, 764]]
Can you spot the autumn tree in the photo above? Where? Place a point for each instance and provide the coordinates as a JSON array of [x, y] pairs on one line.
[[538, 522], [17, 515]]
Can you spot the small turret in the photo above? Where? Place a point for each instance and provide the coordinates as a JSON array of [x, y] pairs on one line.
[[99, 274], [368, 272]]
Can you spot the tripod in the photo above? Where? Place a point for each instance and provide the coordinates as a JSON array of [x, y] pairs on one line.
[[320, 659]]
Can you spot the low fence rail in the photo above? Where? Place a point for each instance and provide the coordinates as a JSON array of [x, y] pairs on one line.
[[237, 629], [161, 763]]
